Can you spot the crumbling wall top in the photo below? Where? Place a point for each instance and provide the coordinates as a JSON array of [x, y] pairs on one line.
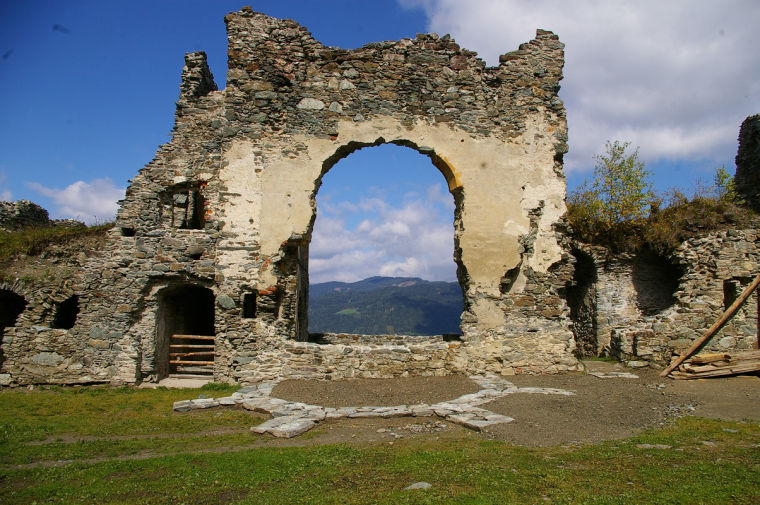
[[277, 70]]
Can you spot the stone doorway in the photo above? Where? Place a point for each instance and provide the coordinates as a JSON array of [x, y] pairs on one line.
[[185, 331]]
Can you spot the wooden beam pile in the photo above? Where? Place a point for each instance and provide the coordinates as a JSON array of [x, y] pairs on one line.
[[718, 364], [713, 330]]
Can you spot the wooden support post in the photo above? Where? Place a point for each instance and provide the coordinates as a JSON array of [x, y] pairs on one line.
[[715, 327]]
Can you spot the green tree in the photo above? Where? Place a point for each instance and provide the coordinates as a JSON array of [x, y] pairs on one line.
[[725, 187], [621, 183], [620, 190]]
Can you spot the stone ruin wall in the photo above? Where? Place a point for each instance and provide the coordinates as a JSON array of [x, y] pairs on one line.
[[748, 162], [228, 206], [25, 214], [643, 309]]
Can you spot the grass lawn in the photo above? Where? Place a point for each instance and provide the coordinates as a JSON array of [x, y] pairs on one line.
[[710, 462]]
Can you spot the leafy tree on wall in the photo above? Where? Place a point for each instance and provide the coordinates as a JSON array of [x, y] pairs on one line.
[[619, 210], [619, 193]]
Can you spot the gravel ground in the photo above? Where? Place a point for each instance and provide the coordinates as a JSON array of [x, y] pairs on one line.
[[377, 392], [601, 409]]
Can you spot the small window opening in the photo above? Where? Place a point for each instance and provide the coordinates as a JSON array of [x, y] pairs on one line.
[[127, 232], [185, 207], [66, 313], [249, 305], [656, 280], [730, 292], [195, 211]]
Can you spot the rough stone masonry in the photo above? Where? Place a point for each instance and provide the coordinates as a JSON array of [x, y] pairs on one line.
[[213, 235]]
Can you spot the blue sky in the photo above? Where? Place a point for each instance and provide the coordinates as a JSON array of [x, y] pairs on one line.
[[88, 91]]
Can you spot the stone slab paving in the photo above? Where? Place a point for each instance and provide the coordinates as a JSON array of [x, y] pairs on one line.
[[290, 419]]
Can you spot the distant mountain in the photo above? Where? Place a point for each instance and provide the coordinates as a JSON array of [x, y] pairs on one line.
[[385, 305]]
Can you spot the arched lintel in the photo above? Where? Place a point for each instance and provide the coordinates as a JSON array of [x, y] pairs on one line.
[[439, 161]]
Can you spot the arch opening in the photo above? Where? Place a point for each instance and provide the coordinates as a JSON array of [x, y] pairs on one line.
[[185, 331], [380, 259]]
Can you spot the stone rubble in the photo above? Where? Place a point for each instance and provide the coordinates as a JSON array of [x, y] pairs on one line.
[[290, 419]]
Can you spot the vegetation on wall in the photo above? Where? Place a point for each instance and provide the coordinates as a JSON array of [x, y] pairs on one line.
[[618, 208], [33, 241]]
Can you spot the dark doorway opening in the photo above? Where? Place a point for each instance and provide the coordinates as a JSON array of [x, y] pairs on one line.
[[581, 298], [11, 306], [66, 313], [185, 331]]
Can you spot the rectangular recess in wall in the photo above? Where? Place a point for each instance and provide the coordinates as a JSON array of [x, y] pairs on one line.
[[730, 292], [249, 305]]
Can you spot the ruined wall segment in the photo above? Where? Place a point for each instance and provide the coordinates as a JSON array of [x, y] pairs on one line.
[[496, 134], [748, 162], [229, 204], [650, 308]]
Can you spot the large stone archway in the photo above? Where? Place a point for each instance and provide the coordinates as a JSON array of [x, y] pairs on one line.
[[229, 204]]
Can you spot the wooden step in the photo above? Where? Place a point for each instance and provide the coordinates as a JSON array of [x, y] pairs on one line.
[[183, 362], [185, 354], [194, 337], [191, 346]]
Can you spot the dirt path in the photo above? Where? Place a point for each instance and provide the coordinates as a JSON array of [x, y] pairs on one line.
[[601, 409]]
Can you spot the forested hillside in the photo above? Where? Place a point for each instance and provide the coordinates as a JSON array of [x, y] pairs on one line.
[[385, 305]]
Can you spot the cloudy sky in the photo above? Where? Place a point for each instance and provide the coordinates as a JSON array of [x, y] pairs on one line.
[[88, 90]]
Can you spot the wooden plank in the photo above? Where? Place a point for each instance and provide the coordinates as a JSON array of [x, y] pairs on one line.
[[191, 346], [703, 368], [185, 354], [181, 362], [714, 328], [703, 359], [753, 366], [717, 358], [195, 337], [745, 355]]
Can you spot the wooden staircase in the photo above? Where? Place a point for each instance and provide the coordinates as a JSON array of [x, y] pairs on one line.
[[191, 355]]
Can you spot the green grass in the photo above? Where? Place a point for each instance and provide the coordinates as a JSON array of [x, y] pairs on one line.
[[467, 470], [32, 241], [102, 412]]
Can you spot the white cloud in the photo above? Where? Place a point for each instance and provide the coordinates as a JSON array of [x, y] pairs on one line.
[[412, 239], [90, 202], [675, 78]]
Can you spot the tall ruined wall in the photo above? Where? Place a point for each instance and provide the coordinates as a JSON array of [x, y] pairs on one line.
[[748, 162], [229, 205]]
